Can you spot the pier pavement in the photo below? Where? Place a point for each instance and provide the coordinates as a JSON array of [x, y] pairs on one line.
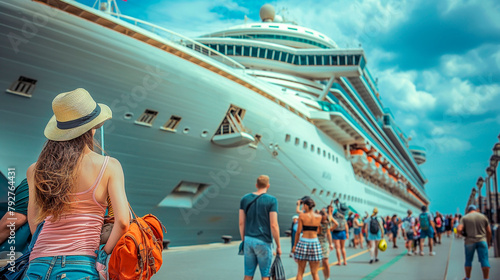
[[221, 261]]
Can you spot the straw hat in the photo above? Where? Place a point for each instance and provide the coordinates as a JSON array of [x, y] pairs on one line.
[[75, 112]]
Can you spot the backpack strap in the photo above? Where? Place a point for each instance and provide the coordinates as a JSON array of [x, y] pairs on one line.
[[249, 204]]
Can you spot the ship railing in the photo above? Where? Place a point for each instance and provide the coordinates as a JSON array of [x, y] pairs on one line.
[[180, 40]]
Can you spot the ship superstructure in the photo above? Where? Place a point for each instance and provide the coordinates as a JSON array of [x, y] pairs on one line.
[[196, 121]]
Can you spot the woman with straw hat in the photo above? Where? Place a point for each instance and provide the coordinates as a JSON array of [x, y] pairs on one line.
[[69, 186]]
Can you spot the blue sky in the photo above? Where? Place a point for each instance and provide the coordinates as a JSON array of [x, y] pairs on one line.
[[437, 64]]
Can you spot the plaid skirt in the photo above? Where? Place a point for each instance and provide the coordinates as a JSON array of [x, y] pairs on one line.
[[308, 250]]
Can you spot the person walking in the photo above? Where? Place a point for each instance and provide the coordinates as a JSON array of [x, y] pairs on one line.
[[408, 228], [394, 230], [427, 230], [477, 238], [325, 239], [375, 229], [358, 225], [295, 224], [340, 234], [438, 220], [307, 247], [69, 186], [258, 223]]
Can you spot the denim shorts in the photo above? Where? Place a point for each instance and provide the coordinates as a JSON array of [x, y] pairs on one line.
[[426, 233], [62, 267], [257, 252], [357, 231], [482, 253], [339, 235]]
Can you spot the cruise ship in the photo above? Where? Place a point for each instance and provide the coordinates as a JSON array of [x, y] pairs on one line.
[[197, 120]]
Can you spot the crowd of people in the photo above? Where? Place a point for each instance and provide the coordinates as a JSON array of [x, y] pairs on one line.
[[315, 232]]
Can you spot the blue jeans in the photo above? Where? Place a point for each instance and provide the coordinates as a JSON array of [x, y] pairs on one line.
[[257, 252], [482, 253], [62, 267]]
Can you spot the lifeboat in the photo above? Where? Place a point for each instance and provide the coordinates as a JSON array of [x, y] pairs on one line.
[[359, 159]]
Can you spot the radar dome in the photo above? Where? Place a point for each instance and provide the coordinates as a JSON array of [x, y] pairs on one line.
[[267, 12]]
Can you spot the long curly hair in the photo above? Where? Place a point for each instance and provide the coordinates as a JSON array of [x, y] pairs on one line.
[[56, 172]]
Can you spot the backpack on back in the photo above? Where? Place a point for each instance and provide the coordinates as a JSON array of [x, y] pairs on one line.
[[407, 223], [425, 224], [340, 220], [374, 226], [138, 253]]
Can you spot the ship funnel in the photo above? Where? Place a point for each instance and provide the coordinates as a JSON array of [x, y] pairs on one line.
[[267, 13]]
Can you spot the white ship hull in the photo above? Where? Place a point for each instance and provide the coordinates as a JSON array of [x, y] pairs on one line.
[[64, 52]]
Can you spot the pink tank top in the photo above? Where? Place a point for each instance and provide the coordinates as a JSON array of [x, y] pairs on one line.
[[77, 233]]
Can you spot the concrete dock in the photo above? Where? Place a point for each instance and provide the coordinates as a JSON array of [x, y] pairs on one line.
[[221, 261]]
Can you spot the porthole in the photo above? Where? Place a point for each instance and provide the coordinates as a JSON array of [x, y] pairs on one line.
[[313, 191], [204, 133], [128, 116], [186, 130]]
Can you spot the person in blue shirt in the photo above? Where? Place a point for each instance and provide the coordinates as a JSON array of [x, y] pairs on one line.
[[258, 223]]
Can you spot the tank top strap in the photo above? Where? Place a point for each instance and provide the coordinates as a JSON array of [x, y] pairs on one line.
[[101, 172]]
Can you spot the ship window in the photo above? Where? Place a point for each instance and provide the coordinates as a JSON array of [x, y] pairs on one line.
[[23, 86], [255, 51], [262, 53], [319, 60], [350, 60], [321, 36], [329, 155], [237, 50], [213, 46], [345, 196], [334, 194], [302, 60], [335, 60], [297, 141], [328, 193], [312, 148], [290, 58], [184, 195], [230, 50], [277, 55], [246, 51], [255, 25], [312, 60], [305, 145], [337, 159], [309, 32], [291, 28], [287, 138], [284, 56], [172, 123], [342, 60], [147, 118], [348, 197], [324, 153], [313, 191], [270, 54], [321, 192], [274, 26], [319, 151]]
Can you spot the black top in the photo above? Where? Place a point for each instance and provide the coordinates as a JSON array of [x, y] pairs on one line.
[[309, 228]]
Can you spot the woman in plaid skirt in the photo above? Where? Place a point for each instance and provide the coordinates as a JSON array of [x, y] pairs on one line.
[[307, 248]]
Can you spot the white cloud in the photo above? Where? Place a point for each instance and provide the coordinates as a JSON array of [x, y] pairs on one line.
[[400, 90], [466, 98], [451, 144], [458, 66]]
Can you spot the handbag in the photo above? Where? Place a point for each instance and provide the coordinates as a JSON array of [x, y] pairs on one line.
[[17, 271], [277, 271], [241, 250]]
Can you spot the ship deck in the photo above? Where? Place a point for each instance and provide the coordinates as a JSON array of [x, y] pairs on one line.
[[220, 261]]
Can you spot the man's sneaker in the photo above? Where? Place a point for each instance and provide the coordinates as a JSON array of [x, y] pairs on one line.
[[410, 254], [432, 253], [422, 253], [371, 261]]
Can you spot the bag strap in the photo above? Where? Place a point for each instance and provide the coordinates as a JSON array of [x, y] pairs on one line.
[[254, 200]]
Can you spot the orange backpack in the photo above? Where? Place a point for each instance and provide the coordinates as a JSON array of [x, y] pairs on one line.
[[138, 253]]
